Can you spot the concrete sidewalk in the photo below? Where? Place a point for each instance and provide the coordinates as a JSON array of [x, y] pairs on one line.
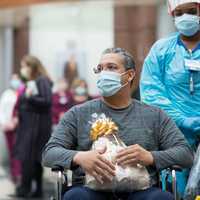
[[7, 188]]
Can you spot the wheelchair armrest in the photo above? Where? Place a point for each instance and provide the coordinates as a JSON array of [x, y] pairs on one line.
[[171, 171], [57, 169], [64, 176]]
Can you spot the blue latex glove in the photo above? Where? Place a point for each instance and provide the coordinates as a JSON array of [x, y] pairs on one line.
[[192, 124]]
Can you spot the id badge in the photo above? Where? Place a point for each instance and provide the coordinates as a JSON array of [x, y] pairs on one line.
[[193, 65]]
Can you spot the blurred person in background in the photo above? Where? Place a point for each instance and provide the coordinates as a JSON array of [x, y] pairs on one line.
[[34, 125], [80, 91], [70, 70], [8, 123], [62, 100], [171, 73], [71, 52]]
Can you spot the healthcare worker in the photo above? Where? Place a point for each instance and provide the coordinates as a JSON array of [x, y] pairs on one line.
[[171, 73]]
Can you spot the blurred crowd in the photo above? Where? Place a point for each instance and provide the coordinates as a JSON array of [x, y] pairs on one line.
[[29, 110]]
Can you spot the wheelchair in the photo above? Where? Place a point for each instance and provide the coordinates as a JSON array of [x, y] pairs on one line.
[[64, 181]]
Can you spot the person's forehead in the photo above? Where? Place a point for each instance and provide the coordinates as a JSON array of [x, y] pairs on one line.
[[186, 6], [23, 64], [15, 76], [111, 58], [82, 83]]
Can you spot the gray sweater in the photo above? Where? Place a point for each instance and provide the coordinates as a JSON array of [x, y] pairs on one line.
[[139, 124]]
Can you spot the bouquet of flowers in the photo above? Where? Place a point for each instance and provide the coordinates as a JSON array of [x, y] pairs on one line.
[[104, 134]]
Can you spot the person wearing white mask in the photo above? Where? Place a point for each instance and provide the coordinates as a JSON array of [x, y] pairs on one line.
[[80, 91], [8, 123], [170, 76]]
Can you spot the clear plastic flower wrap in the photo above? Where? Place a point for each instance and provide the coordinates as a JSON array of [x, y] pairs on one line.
[[104, 133], [193, 184]]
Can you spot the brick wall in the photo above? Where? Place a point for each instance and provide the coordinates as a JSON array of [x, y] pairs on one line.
[[135, 30]]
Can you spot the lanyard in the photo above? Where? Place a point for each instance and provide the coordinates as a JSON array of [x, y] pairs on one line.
[[191, 85], [191, 82]]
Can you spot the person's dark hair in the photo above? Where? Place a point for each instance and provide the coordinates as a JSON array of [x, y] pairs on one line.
[[129, 62]]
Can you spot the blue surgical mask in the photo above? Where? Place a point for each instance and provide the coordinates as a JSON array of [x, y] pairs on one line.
[[187, 24], [109, 83], [15, 84], [81, 91]]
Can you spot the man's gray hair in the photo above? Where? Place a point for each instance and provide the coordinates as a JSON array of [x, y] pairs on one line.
[[129, 63]]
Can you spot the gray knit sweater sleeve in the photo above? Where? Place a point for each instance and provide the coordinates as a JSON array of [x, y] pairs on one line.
[[61, 148]]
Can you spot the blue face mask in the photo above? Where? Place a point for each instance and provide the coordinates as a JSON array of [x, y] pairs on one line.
[[81, 91], [109, 83], [15, 84], [187, 24]]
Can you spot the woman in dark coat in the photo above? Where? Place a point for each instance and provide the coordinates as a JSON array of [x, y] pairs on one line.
[[34, 124]]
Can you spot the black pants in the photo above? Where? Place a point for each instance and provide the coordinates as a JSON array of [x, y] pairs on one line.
[[31, 171]]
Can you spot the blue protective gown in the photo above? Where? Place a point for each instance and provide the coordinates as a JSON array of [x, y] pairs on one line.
[[165, 82]]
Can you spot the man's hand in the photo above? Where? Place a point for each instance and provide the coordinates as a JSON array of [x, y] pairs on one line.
[[28, 92], [11, 125], [134, 155], [61, 115], [96, 165]]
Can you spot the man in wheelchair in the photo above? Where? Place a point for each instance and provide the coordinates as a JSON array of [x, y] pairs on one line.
[[152, 138]]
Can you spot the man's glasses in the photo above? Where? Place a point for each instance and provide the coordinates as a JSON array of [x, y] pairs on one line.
[[96, 70], [110, 67]]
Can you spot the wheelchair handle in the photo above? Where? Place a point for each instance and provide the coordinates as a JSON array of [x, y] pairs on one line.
[[176, 168]]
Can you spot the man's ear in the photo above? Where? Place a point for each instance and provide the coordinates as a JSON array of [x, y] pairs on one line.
[[131, 75]]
